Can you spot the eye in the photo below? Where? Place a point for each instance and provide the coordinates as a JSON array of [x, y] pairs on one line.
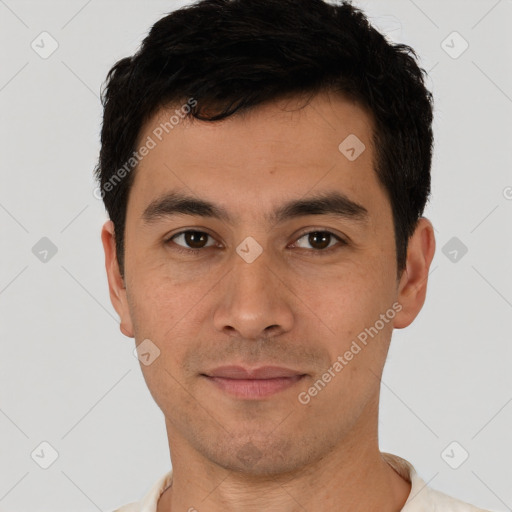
[[320, 241], [191, 241]]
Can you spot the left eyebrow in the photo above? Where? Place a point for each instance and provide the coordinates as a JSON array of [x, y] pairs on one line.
[[327, 203], [330, 203]]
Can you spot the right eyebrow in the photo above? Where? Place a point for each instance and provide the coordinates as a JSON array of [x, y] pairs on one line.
[[175, 203], [327, 203]]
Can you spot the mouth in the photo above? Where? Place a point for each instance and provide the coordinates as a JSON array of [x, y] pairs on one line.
[[253, 384]]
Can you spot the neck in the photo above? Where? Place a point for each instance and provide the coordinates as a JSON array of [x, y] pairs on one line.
[[353, 477]]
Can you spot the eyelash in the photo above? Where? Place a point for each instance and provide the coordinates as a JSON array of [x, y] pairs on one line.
[[318, 252]]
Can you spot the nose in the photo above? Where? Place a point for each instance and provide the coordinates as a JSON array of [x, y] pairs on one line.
[[253, 303]]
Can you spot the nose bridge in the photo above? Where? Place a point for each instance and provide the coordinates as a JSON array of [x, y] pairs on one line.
[[253, 281], [253, 303]]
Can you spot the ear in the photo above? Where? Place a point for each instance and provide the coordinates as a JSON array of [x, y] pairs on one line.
[[116, 284], [412, 288]]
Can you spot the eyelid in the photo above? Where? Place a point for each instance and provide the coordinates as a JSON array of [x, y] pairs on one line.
[[310, 230]]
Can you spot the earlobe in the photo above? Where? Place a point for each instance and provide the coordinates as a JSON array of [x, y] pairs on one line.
[[412, 288], [116, 285]]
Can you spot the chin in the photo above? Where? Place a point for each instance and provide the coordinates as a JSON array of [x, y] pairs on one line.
[[261, 457]]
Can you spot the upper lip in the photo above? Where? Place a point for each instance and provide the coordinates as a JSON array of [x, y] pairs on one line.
[[262, 372]]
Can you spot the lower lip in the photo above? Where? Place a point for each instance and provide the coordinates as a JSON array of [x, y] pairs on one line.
[[254, 388]]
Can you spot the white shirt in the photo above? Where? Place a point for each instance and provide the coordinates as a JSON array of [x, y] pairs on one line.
[[421, 498]]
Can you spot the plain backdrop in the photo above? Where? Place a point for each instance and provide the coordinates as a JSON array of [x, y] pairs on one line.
[[69, 378]]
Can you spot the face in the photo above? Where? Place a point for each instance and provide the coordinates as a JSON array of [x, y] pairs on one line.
[[260, 261]]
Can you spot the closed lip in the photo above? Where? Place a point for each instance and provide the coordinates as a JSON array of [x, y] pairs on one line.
[[259, 373]]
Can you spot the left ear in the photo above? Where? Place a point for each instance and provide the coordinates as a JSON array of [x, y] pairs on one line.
[[412, 288]]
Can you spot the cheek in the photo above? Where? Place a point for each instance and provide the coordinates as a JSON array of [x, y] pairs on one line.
[[347, 299], [348, 317], [170, 314], [163, 313], [156, 307]]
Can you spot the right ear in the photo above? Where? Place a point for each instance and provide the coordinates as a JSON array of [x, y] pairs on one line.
[[116, 284]]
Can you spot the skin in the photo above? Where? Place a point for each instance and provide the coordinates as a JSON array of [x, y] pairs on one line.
[[293, 307]]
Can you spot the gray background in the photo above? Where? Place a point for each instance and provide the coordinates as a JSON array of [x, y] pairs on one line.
[[69, 377]]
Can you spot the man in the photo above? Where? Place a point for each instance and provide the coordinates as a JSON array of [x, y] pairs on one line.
[[265, 165]]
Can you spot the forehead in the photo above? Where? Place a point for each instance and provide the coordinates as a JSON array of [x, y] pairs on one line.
[[257, 158]]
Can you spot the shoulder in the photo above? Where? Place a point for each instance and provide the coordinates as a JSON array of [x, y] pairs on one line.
[[423, 498], [444, 503], [149, 502]]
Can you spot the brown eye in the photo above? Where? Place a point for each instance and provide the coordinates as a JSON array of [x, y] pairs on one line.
[[192, 239], [319, 240]]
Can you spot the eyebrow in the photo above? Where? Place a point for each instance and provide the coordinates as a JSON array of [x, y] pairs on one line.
[[333, 203]]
